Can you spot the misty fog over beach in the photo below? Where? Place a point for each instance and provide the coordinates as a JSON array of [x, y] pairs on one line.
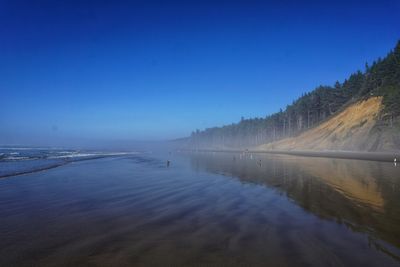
[[199, 133]]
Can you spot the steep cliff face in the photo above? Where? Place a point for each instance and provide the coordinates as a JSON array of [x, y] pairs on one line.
[[356, 128]]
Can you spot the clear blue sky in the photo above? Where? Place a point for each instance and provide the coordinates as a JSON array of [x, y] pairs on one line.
[[107, 70]]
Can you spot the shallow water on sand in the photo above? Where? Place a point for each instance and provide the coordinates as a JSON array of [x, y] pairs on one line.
[[204, 209]]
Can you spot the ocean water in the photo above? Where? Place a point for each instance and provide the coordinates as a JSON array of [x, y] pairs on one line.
[[203, 209], [21, 160]]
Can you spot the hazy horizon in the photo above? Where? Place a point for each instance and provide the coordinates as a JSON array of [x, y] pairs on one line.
[[78, 74], [199, 133]]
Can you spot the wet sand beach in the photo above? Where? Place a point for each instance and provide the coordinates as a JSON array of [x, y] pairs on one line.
[[213, 209]]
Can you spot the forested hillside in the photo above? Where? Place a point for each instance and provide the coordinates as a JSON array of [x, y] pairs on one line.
[[381, 78]]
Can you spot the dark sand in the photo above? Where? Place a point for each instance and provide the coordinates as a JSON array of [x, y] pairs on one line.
[[374, 156], [205, 209]]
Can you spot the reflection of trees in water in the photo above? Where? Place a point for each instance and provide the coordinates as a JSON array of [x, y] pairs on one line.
[[363, 195]]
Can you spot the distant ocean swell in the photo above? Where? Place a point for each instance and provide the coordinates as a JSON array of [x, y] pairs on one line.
[[17, 161]]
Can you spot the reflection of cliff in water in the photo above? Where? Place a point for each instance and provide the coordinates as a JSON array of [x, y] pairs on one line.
[[363, 195]]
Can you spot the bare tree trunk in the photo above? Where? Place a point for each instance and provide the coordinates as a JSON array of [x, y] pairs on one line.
[[284, 127], [391, 120]]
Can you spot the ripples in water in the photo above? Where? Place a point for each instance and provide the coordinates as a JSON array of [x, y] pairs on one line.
[[204, 209]]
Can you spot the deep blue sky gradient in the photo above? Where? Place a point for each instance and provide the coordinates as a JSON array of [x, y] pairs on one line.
[[108, 70]]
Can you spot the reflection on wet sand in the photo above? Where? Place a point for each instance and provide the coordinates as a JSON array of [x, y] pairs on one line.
[[203, 210], [363, 195], [353, 180]]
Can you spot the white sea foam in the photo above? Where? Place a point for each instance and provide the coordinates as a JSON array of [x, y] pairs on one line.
[[76, 154], [16, 158], [24, 148]]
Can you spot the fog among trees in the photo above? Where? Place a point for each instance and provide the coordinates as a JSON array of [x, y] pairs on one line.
[[381, 78]]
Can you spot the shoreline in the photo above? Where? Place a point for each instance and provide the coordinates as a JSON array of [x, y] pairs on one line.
[[34, 170], [356, 155], [52, 166]]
